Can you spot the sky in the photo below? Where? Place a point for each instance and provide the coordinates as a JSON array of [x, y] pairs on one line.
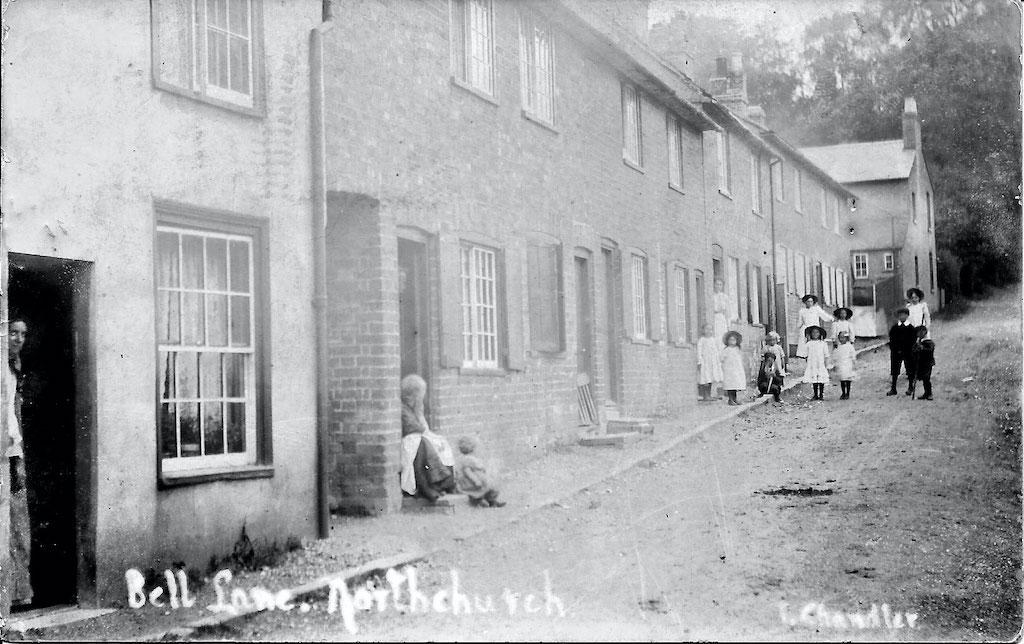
[[788, 17]]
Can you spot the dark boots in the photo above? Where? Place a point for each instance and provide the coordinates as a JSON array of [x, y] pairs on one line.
[[819, 391], [845, 388], [732, 397], [927, 395], [892, 389]]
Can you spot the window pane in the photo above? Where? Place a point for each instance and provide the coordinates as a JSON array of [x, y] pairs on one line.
[[240, 65], [217, 320], [236, 427], [169, 331], [216, 264], [192, 261], [217, 58], [234, 375], [192, 318], [209, 365], [213, 427], [240, 321], [168, 431], [238, 17], [190, 445], [167, 260], [239, 267], [188, 375]]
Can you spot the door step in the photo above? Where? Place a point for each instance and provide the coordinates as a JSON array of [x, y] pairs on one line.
[[609, 440], [53, 616], [625, 425]]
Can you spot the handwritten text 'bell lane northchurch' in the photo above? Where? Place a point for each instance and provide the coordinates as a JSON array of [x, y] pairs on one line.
[[341, 600]]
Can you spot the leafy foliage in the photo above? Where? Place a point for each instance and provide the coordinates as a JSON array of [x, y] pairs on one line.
[[846, 82]]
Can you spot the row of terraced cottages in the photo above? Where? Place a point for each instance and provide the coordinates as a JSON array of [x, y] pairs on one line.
[[235, 227]]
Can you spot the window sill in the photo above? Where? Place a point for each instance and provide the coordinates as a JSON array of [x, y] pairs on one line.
[[551, 355], [756, 213], [479, 93], [676, 187], [256, 112], [550, 127], [633, 164], [482, 371], [198, 476], [644, 341], [725, 193]]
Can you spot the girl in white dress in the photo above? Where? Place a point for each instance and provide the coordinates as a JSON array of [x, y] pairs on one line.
[[810, 315], [845, 360], [709, 363], [819, 360], [919, 313], [734, 375], [842, 325]]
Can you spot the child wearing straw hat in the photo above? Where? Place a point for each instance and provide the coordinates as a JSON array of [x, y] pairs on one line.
[[771, 342], [819, 360], [842, 324], [734, 376], [810, 315]]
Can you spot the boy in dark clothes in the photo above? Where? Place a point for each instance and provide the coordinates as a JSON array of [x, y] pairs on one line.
[[769, 377], [922, 361], [902, 337]]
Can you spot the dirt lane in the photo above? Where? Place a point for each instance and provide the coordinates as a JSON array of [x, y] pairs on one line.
[[822, 507]]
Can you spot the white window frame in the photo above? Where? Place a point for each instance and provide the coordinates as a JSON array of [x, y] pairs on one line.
[[537, 67], [641, 307], [632, 126], [755, 184], [860, 266], [180, 463], [474, 65], [185, 49], [207, 31], [798, 181], [778, 178], [888, 262], [753, 294], [674, 142], [723, 151], [931, 219], [732, 286], [824, 207], [801, 269], [479, 279], [682, 276]]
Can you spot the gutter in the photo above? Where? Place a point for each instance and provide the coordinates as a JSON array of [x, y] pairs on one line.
[[318, 199]]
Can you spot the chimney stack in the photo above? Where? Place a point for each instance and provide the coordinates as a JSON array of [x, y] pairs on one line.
[[729, 87], [911, 125]]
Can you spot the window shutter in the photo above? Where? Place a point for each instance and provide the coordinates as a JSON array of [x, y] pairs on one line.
[[654, 291], [625, 262], [513, 265], [450, 274], [671, 308]]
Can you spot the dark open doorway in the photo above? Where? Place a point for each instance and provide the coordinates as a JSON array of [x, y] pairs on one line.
[[413, 311], [51, 295]]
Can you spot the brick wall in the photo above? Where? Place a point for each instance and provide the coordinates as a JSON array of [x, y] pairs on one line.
[[454, 166]]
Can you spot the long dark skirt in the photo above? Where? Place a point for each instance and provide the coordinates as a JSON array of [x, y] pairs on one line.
[[432, 477]]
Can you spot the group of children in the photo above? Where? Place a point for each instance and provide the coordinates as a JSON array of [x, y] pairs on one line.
[[909, 342]]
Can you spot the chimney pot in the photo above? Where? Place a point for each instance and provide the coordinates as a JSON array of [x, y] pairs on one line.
[[911, 125], [737, 63]]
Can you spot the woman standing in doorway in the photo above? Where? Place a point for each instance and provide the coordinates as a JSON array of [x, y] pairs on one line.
[[722, 309], [20, 540]]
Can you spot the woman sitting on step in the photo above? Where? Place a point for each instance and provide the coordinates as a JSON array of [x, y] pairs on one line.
[[427, 459]]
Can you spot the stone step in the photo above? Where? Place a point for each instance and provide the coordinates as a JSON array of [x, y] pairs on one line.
[[609, 440], [447, 504], [625, 425]]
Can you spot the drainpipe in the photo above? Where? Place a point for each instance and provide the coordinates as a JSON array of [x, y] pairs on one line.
[[774, 161], [319, 229]]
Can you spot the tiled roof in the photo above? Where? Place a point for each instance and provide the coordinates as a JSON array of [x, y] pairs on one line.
[[870, 161]]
